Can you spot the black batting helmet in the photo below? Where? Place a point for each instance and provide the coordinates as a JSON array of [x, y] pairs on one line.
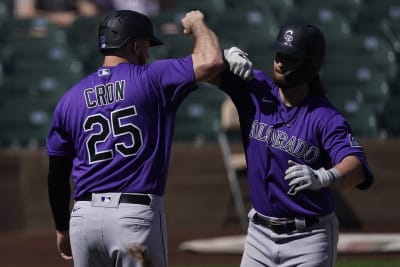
[[305, 42], [117, 28], [302, 41]]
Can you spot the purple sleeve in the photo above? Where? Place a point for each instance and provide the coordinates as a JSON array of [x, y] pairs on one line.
[[58, 142], [339, 141], [175, 77]]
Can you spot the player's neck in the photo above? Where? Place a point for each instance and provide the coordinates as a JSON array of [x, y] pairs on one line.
[[110, 61], [294, 96]]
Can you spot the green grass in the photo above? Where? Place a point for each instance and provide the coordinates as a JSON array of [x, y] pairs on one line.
[[341, 263], [207, 265], [368, 263]]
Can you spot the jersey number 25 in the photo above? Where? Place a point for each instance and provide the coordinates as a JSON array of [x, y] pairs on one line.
[[114, 129]]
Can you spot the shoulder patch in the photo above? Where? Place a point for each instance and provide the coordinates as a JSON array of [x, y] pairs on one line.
[[353, 141]]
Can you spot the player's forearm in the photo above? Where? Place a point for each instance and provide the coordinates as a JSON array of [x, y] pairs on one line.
[[59, 203], [207, 54], [352, 172], [59, 190]]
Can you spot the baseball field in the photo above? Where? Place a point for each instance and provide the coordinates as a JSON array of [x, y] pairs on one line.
[[37, 248]]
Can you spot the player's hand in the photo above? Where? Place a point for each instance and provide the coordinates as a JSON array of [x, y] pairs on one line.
[[64, 245], [302, 177], [239, 63], [190, 20]]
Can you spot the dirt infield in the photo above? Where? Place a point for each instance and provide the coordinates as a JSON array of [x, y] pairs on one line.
[[38, 248], [23, 249]]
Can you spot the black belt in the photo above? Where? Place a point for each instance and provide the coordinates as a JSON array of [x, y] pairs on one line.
[[284, 227], [125, 198]]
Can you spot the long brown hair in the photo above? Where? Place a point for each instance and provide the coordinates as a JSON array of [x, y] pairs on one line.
[[316, 86]]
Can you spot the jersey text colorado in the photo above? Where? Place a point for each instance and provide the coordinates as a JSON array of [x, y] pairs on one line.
[[281, 140]]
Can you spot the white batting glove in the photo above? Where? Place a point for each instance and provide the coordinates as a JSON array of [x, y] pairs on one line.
[[302, 177], [239, 63]]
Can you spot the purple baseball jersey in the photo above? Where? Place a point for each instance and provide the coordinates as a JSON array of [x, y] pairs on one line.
[[118, 124], [313, 133]]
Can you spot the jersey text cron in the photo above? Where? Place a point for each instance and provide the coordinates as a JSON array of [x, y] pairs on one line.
[[104, 94]]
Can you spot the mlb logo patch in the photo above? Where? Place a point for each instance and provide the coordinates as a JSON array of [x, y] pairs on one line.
[[105, 199], [102, 41], [103, 72]]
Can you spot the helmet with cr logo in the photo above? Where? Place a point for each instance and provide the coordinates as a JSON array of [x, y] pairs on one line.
[[120, 26], [305, 42]]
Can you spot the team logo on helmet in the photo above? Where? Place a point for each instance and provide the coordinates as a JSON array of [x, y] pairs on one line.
[[102, 41], [288, 36]]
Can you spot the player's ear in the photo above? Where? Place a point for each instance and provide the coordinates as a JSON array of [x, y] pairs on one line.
[[135, 46]]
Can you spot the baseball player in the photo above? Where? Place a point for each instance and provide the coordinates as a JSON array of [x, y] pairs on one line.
[[298, 149], [113, 131]]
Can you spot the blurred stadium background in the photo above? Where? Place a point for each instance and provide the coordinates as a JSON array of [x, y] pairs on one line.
[[40, 60]]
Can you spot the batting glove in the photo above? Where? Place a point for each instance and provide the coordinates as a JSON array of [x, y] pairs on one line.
[[302, 177], [239, 63]]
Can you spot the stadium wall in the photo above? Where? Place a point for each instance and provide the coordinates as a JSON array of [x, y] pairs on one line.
[[197, 193]]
